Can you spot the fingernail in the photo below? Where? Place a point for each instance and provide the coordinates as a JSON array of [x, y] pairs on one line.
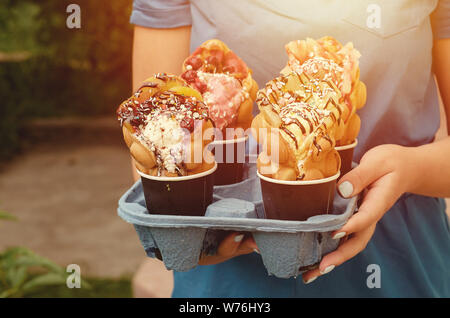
[[345, 189], [255, 250], [339, 235], [327, 270], [310, 280], [238, 238]]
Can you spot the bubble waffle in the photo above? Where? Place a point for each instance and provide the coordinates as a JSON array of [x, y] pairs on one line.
[[301, 87], [165, 126], [327, 59], [224, 81], [298, 141]]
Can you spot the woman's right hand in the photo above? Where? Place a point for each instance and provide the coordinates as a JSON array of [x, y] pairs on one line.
[[233, 245]]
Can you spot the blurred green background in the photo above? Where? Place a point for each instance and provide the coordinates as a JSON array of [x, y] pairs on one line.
[[48, 70]]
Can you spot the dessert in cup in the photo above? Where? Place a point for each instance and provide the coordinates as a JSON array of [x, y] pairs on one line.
[[298, 166], [228, 90], [165, 125]]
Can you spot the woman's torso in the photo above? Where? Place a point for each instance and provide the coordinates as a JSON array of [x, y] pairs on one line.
[[394, 38]]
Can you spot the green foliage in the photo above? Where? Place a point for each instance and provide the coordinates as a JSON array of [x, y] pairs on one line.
[[100, 288], [16, 277], [63, 72], [18, 30], [6, 216], [23, 272], [26, 274]]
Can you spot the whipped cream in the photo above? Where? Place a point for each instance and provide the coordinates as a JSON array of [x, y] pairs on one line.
[[164, 133], [224, 95]]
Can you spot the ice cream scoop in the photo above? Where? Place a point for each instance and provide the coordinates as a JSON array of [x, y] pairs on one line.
[[224, 95], [225, 82]]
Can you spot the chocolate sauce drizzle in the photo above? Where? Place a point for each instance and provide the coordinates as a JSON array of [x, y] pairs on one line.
[[305, 104], [300, 110], [135, 110]]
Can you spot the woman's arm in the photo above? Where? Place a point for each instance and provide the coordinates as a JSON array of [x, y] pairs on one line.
[[435, 157], [157, 51], [441, 51], [388, 171]]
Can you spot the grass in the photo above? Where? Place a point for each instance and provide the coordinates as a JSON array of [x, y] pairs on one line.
[[99, 288]]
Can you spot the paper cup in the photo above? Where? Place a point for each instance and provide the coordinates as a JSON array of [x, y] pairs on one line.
[[346, 154], [297, 200], [186, 195], [230, 157]]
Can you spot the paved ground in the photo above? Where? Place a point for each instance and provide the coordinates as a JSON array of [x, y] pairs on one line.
[[64, 190]]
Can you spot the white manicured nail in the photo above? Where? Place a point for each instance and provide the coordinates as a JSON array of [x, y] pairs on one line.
[[327, 270], [238, 238], [310, 280], [256, 251], [346, 189], [339, 235]]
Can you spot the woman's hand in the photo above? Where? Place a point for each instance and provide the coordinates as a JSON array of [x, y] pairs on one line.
[[233, 245], [384, 174]]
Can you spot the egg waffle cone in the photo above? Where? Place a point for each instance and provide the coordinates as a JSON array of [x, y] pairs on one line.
[[328, 59], [214, 57], [301, 87], [298, 142], [170, 97]]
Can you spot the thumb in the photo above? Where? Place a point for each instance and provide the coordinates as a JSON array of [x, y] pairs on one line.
[[367, 172]]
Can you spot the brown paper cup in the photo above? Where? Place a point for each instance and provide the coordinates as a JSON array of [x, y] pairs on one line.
[[297, 200], [346, 154], [186, 195], [230, 157]]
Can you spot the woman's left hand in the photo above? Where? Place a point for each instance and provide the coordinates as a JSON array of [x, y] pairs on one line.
[[384, 173]]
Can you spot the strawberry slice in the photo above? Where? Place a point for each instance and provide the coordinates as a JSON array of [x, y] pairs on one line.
[[234, 65], [195, 62], [215, 58]]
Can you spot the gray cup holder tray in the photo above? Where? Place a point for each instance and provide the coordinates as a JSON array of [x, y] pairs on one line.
[[287, 248]]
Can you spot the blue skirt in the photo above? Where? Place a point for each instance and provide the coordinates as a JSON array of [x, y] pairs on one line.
[[408, 256]]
